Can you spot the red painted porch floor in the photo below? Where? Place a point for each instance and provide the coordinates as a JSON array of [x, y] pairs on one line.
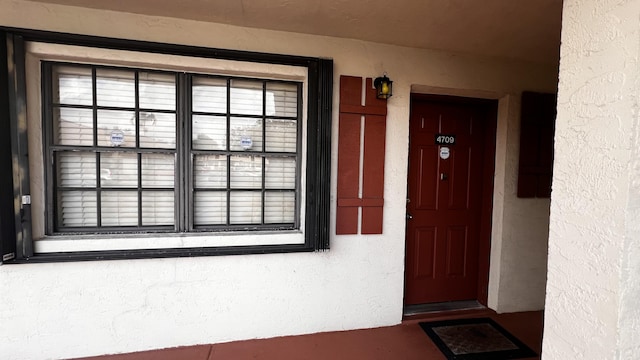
[[404, 341]]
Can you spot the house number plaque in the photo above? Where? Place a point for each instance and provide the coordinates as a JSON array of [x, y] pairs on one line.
[[444, 139]]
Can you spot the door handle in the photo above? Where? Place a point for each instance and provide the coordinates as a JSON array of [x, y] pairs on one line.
[[443, 176], [409, 216]]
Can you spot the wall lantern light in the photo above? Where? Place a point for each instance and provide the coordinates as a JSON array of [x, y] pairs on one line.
[[384, 87]]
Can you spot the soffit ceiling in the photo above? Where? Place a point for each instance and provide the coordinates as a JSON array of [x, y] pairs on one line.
[[518, 29]]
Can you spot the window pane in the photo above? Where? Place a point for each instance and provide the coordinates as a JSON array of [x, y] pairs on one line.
[[119, 208], [119, 169], [157, 130], [209, 132], [158, 170], [116, 128], [72, 85], [77, 208], [115, 88], [246, 172], [245, 207], [282, 99], [73, 127], [157, 208], [157, 91], [246, 134], [279, 207], [246, 97], [281, 135], [209, 95], [210, 208], [76, 169], [210, 171], [245, 166], [280, 173]]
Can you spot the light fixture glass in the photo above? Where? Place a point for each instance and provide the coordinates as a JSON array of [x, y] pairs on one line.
[[384, 87]]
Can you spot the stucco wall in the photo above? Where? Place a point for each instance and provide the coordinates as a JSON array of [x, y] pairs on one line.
[[519, 228], [592, 308], [629, 318], [76, 309]]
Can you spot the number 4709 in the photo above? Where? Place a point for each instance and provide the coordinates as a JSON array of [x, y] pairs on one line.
[[445, 139]]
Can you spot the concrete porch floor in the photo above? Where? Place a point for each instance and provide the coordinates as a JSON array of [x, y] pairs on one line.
[[404, 341]]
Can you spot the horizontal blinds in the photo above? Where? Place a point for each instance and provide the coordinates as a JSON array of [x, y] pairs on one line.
[[248, 131], [115, 144], [102, 119]]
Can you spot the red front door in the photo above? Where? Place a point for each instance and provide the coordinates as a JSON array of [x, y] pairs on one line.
[[444, 203]]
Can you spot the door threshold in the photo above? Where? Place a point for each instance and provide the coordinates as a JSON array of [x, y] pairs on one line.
[[433, 308]]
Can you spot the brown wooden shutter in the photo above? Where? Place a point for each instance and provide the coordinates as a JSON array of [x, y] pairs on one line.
[[536, 144], [372, 200]]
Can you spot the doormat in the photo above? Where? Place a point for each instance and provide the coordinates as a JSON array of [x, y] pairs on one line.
[[475, 339]]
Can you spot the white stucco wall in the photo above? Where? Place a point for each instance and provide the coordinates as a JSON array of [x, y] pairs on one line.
[[592, 307], [519, 227], [77, 309]]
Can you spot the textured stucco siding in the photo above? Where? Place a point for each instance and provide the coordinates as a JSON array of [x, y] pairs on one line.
[[592, 307]]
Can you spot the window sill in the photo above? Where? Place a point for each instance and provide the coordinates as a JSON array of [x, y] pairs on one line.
[[136, 242], [92, 247], [162, 253]]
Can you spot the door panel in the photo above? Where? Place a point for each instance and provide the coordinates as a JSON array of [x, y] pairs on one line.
[[424, 247], [445, 201], [427, 175], [456, 251]]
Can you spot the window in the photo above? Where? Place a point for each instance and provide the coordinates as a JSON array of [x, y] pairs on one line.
[[171, 154], [115, 151]]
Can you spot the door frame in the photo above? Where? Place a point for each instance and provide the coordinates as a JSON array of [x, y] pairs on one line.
[[490, 108]]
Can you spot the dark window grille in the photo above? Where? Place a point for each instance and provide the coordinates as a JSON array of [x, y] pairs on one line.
[[257, 161], [119, 152]]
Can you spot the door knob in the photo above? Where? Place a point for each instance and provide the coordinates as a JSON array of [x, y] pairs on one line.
[[443, 176], [409, 216]]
